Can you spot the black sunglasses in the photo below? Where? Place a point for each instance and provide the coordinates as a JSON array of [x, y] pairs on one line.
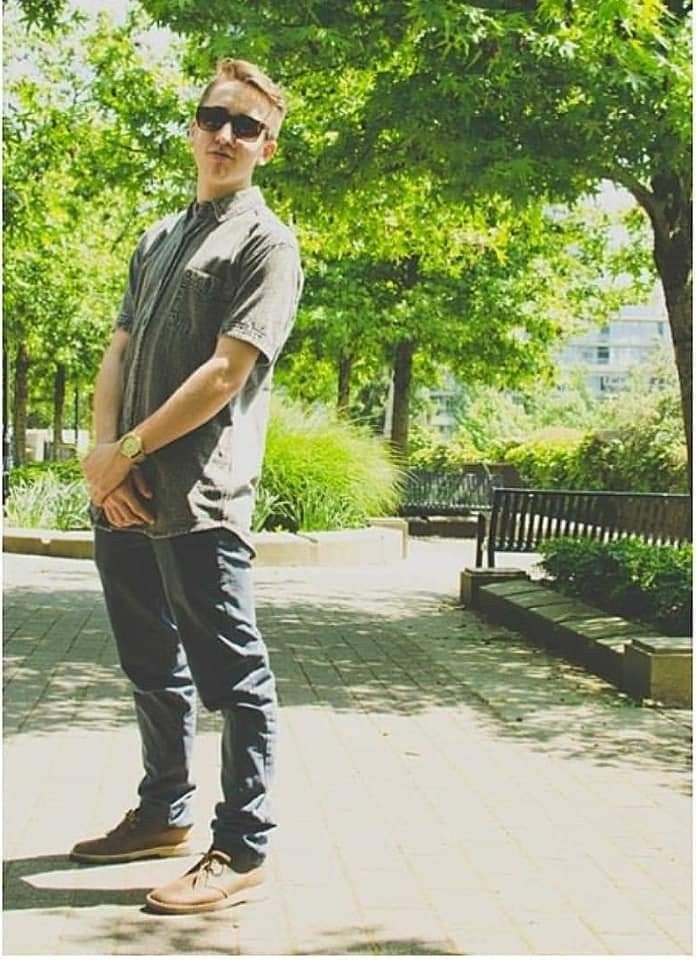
[[212, 119]]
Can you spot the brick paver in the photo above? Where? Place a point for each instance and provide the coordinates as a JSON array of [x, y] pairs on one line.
[[444, 787]]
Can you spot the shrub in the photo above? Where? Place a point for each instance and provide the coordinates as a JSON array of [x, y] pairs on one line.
[[653, 455], [497, 451], [41, 498], [644, 456], [547, 459], [64, 470], [641, 458], [629, 577], [322, 473], [430, 451]]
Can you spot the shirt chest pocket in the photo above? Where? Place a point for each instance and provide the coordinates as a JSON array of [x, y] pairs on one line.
[[204, 286], [197, 309]]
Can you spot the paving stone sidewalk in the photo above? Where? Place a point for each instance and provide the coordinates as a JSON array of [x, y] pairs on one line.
[[444, 786]]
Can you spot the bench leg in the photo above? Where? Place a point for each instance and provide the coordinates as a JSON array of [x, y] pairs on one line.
[[480, 535]]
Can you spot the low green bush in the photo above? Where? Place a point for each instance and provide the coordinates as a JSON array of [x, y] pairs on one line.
[[428, 450], [64, 470], [628, 577], [641, 458], [43, 499], [547, 459], [321, 472]]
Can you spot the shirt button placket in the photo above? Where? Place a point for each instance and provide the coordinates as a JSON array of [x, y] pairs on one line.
[[168, 272]]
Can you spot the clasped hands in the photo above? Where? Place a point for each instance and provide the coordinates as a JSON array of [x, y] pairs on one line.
[[116, 487]]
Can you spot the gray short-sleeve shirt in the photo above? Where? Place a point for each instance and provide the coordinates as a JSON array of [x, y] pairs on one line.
[[225, 267]]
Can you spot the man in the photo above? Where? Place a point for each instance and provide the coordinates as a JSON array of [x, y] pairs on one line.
[[181, 409]]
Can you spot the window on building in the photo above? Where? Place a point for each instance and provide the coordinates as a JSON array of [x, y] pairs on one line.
[[602, 354], [611, 384]]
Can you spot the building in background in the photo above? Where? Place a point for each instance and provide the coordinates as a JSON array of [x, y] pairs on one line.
[[609, 352], [440, 410], [606, 354]]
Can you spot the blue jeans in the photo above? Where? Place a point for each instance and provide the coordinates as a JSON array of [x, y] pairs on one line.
[[182, 612]]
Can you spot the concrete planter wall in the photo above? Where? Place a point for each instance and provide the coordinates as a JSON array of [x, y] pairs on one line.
[[385, 541], [625, 653]]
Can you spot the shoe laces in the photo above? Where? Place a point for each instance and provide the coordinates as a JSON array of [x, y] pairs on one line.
[[213, 863], [129, 822]]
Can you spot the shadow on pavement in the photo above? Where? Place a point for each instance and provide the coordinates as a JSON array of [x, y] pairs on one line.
[[32, 884], [365, 940], [198, 935], [402, 653], [19, 893]]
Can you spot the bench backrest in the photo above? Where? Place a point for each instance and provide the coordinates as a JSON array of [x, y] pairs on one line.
[[449, 492], [521, 518]]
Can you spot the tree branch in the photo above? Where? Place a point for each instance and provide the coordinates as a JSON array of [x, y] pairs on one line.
[[643, 195]]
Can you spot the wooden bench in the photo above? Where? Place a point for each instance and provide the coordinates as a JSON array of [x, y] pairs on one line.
[[521, 518]]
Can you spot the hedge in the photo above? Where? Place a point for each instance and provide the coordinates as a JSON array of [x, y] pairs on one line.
[[641, 581], [641, 459]]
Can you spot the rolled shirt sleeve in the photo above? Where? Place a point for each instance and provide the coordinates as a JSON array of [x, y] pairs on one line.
[[262, 310]]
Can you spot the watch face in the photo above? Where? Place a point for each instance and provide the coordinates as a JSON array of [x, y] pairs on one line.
[[130, 446]]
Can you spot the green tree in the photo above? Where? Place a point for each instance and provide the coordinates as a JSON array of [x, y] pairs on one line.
[[491, 313], [339, 323], [526, 98], [403, 114], [82, 177]]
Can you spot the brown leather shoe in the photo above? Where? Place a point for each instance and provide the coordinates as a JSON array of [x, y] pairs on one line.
[[211, 884], [132, 839]]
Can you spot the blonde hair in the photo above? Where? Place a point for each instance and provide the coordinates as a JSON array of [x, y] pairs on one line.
[[229, 69]]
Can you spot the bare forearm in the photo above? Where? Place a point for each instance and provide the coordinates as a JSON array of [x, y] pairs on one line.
[[195, 402], [108, 394]]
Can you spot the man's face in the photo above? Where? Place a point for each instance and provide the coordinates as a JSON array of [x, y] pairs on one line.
[[225, 162]]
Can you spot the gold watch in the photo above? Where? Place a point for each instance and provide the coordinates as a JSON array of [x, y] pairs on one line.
[[131, 446]]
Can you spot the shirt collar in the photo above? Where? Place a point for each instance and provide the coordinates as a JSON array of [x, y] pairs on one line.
[[222, 208]]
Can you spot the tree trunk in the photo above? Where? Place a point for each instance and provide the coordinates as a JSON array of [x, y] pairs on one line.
[[6, 441], [680, 322], [90, 408], [58, 407], [345, 368], [21, 393], [668, 204], [403, 364], [76, 416]]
